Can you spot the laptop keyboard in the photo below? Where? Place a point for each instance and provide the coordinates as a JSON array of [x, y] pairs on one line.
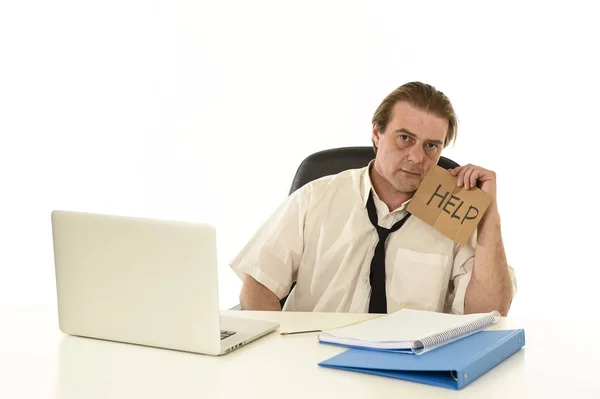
[[226, 334]]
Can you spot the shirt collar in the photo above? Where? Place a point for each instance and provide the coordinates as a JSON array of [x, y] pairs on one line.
[[367, 186]]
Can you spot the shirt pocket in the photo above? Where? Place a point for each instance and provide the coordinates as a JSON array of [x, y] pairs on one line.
[[418, 279]]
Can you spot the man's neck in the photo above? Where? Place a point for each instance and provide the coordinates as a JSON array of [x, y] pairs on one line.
[[386, 192]]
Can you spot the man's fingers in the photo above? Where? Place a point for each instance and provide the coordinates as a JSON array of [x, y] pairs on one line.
[[474, 176], [455, 171], [467, 178], [460, 178]]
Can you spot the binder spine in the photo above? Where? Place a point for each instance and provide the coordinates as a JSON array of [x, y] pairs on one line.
[[495, 355], [445, 337]]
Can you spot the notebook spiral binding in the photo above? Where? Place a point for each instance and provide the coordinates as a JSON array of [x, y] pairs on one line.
[[445, 337]]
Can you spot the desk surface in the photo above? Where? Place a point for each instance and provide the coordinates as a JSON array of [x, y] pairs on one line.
[[37, 361]]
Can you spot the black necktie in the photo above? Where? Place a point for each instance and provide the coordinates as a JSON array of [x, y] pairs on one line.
[[378, 302]]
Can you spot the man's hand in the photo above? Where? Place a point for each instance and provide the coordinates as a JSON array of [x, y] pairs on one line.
[[468, 176]]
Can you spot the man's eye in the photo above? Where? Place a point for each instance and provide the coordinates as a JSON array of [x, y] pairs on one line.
[[431, 146], [404, 137]]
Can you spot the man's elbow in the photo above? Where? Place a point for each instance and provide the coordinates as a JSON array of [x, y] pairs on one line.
[[505, 300], [502, 307], [479, 301], [486, 308], [255, 296]]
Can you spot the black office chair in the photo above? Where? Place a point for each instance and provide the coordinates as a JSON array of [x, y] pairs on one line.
[[336, 160]]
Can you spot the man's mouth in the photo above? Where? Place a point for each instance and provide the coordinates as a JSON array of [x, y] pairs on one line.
[[410, 173]]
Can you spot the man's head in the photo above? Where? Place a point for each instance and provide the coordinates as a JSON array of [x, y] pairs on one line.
[[410, 128]]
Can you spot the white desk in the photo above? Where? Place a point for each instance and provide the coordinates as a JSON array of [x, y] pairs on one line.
[[37, 361]]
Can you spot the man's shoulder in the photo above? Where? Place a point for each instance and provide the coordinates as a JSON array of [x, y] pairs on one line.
[[350, 179]]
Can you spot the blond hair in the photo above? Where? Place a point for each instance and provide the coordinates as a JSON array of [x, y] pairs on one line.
[[422, 96]]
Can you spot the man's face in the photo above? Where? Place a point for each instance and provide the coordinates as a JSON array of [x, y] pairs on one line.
[[411, 143]]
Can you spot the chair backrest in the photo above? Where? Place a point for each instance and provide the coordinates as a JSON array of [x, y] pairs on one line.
[[336, 160]]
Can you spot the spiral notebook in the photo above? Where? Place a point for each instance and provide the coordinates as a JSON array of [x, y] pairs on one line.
[[409, 331]]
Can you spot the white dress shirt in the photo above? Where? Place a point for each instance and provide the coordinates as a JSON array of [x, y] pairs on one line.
[[322, 238]]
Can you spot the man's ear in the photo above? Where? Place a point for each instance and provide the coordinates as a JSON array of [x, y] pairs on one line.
[[375, 136]]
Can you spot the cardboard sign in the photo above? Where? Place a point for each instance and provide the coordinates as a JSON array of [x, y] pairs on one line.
[[451, 210]]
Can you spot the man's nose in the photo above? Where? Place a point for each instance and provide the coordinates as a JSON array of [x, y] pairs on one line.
[[415, 154]]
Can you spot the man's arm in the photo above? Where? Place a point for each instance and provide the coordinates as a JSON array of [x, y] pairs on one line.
[[255, 296], [490, 287], [268, 264]]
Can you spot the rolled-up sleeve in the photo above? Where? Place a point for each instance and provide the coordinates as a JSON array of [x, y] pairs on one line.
[[462, 269], [273, 254]]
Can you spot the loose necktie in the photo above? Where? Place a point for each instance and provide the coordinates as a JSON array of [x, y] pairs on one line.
[[378, 302]]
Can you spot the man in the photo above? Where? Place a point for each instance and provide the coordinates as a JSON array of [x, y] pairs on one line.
[[323, 237]]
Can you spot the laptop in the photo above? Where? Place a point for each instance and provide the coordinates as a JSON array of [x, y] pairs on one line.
[[144, 281]]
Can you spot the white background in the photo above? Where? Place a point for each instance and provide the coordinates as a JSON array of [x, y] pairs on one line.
[[202, 111]]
